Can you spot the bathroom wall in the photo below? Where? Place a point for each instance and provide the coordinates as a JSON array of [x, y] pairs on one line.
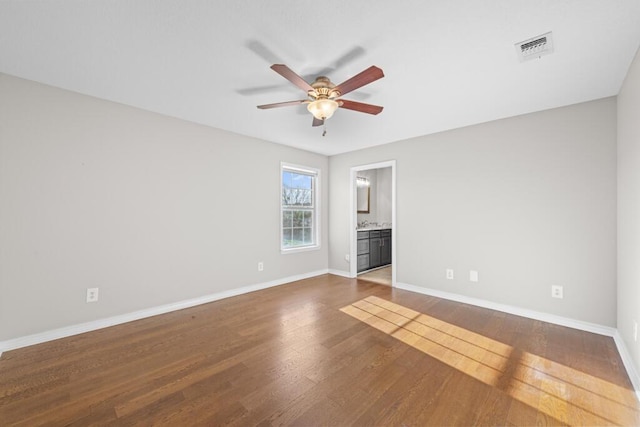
[[380, 196]]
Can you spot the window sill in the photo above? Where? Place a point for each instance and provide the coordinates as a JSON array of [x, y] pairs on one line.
[[301, 249]]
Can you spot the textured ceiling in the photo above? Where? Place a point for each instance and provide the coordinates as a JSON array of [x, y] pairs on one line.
[[447, 64]]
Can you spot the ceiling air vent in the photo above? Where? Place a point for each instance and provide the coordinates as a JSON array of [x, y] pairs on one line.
[[535, 47]]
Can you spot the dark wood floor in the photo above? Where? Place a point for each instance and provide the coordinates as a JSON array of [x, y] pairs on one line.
[[322, 351]]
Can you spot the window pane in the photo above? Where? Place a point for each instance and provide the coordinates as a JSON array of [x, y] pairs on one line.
[[288, 196], [304, 181], [306, 197], [287, 219], [297, 197], [298, 217], [297, 238], [299, 180], [286, 179], [307, 222], [308, 237], [286, 237]]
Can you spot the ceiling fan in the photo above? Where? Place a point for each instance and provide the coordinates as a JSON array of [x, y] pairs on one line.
[[323, 97]]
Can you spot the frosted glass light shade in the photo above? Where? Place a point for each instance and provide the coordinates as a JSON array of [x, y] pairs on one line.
[[322, 109]]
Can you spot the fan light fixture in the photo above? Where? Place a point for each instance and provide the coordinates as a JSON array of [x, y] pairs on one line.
[[322, 108], [323, 97]]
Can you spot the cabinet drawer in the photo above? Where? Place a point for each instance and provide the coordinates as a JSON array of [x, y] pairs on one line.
[[363, 247], [363, 235], [363, 262], [385, 233], [374, 233]]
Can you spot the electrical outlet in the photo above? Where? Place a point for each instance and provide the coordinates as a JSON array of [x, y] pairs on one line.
[[260, 266], [635, 330], [449, 274], [92, 294], [473, 276], [557, 292], [346, 257]]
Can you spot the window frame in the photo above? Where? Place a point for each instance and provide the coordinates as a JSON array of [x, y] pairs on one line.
[[315, 174]]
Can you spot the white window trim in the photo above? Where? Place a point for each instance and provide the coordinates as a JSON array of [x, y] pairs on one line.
[[317, 207]]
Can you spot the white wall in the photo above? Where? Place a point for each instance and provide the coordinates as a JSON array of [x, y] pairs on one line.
[[528, 201], [629, 209], [384, 192], [152, 210], [146, 207]]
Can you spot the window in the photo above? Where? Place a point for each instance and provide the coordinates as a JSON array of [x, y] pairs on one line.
[[299, 208]]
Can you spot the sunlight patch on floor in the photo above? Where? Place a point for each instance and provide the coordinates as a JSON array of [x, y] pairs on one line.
[[568, 395], [481, 357]]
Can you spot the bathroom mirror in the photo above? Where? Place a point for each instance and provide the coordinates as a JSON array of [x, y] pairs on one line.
[[364, 195]]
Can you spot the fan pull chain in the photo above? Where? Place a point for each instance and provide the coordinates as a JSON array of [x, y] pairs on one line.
[[324, 127]]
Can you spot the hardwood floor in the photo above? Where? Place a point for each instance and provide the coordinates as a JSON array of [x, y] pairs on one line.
[[321, 351]]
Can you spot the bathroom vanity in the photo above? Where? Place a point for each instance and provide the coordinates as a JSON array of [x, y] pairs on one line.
[[374, 248]]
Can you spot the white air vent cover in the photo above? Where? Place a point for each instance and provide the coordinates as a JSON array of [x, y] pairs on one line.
[[535, 47]]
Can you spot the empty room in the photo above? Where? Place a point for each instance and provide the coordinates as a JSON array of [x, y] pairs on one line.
[[298, 213]]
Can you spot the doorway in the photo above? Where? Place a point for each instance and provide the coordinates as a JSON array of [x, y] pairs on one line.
[[373, 219]]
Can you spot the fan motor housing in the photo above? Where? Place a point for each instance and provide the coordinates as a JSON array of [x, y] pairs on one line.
[[323, 88]]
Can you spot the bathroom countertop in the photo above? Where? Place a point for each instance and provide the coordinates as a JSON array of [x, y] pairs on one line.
[[373, 228]]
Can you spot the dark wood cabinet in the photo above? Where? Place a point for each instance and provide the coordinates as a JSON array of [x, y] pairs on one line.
[[363, 250], [375, 244], [374, 249], [385, 247]]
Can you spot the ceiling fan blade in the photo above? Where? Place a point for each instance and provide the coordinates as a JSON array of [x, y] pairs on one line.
[[288, 74], [369, 75], [317, 122], [360, 106], [281, 104]]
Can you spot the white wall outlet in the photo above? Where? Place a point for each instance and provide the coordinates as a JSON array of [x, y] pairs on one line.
[[557, 292], [449, 274], [346, 257], [92, 294], [635, 330], [473, 276], [260, 266]]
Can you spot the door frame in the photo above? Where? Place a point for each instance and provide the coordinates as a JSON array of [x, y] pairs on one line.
[[353, 217]]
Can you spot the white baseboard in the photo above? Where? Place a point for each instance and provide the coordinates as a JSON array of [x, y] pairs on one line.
[[340, 273], [627, 361], [141, 314], [531, 314], [545, 317]]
